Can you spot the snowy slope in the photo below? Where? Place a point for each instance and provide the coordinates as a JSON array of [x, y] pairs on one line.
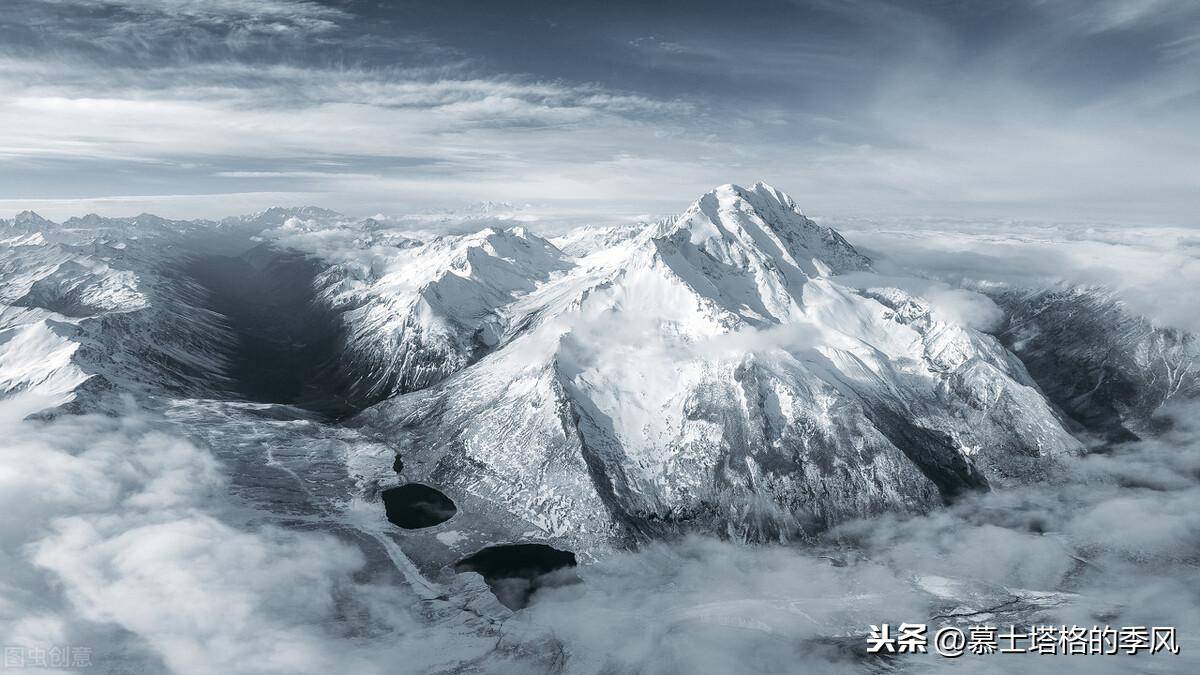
[[737, 368], [96, 305], [713, 371]]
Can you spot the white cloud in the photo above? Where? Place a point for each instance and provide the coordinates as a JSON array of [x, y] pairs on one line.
[[471, 138], [296, 174], [953, 305], [117, 533], [110, 540], [1153, 269], [1115, 535], [266, 15], [928, 131]]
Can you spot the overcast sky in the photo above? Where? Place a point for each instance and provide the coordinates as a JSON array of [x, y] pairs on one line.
[[1066, 109]]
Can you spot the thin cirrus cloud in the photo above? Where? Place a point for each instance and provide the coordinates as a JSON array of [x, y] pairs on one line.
[[1031, 109], [136, 18]]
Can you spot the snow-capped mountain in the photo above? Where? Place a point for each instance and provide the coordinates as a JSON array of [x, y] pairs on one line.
[[711, 371], [97, 306], [736, 369]]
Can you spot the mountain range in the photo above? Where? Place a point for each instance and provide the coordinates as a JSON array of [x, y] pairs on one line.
[[736, 369]]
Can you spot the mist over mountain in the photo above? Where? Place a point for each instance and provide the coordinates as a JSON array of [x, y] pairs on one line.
[[727, 440]]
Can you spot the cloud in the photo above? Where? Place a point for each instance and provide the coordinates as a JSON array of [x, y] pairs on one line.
[[120, 534], [1117, 15], [287, 112], [1152, 269], [116, 536], [221, 129], [169, 205], [954, 305], [211, 8], [204, 596], [701, 605], [643, 116], [130, 24], [296, 174], [1097, 543]]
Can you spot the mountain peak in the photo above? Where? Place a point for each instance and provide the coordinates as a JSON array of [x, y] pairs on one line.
[[29, 221], [760, 192], [29, 216], [733, 205], [278, 215], [730, 220]]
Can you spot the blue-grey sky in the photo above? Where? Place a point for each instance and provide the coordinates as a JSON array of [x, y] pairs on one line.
[[1077, 109]]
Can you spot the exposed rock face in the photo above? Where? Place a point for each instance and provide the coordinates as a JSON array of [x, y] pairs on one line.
[[104, 302], [1108, 368]]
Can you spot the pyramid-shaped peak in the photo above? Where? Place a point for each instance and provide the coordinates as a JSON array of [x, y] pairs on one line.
[[728, 208], [30, 222], [730, 218], [760, 192], [29, 217]]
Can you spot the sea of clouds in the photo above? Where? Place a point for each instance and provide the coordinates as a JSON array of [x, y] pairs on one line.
[[119, 534]]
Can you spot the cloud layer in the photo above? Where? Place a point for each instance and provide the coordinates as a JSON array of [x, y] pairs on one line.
[[121, 534], [120, 537], [1076, 109], [1114, 536], [1152, 269]]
